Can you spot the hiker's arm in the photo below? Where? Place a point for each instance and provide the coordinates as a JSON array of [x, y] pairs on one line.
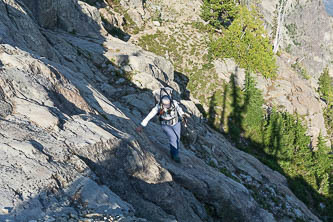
[[179, 109], [152, 113], [183, 116]]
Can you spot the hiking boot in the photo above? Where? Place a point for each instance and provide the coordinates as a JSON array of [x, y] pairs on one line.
[[171, 155], [176, 159]]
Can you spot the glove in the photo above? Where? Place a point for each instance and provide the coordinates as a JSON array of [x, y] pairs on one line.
[[184, 119]]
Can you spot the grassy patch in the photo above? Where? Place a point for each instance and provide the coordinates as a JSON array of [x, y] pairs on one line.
[[292, 29], [301, 70]]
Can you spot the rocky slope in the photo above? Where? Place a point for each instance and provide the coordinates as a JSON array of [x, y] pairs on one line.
[[68, 146], [305, 50], [306, 33], [306, 46]]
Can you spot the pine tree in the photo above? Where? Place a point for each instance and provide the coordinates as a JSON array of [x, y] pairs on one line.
[[212, 110], [285, 137], [247, 42], [326, 93], [236, 116], [301, 141], [219, 13], [253, 111], [322, 166], [326, 86]]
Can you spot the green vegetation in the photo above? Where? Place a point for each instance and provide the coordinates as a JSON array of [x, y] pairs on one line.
[[326, 87], [129, 26], [301, 70], [322, 167], [288, 48], [163, 45], [157, 16], [254, 114], [202, 27], [292, 29], [219, 13], [244, 37], [247, 42], [328, 115], [292, 32], [280, 141], [187, 56], [326, 94], [227, 173]]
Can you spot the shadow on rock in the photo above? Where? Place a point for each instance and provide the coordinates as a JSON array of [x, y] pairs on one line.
[[137, 168]]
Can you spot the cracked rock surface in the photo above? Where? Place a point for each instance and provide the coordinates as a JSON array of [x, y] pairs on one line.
[[68, 146]]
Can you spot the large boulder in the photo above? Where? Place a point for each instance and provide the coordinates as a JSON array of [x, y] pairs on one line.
[[135, 10], [133, 58], [72, 16], [228, 67]]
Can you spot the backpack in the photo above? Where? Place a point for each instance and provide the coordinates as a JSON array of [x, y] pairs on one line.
[[159, 93]]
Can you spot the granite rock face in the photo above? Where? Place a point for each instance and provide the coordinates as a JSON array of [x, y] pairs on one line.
[[306, 33], [68, 146], [76, 17]]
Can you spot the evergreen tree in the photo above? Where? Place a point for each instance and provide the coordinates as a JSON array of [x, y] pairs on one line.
[[236, 116], [328, 115], [281, 139], [247, 42], [272, 133], [219, 13], [301, 140], [322, 165], [301, 155], [212, 110], [326, 86], [285, 137], [252, 108], [326, 92]]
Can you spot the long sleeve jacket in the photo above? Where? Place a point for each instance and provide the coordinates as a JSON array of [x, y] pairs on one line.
[[155, 110]]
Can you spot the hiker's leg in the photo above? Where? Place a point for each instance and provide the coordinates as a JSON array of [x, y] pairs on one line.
[[177, 128], [175, 150], [170, 132]]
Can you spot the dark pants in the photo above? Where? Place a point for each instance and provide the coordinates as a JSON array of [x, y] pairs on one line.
[[173, 133]]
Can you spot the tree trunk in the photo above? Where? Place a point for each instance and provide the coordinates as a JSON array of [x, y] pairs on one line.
[[280, 20]]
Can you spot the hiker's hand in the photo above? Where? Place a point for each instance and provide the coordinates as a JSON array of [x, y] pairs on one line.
[[184, 118], [139, 129]]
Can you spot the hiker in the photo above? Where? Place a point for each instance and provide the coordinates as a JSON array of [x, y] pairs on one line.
[[170, 116]]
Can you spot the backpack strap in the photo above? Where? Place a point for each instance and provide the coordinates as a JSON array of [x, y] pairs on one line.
[[166, 92], [171, 100], [168, 95]]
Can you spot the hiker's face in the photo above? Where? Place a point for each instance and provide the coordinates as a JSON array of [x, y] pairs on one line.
[[166, 105]]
